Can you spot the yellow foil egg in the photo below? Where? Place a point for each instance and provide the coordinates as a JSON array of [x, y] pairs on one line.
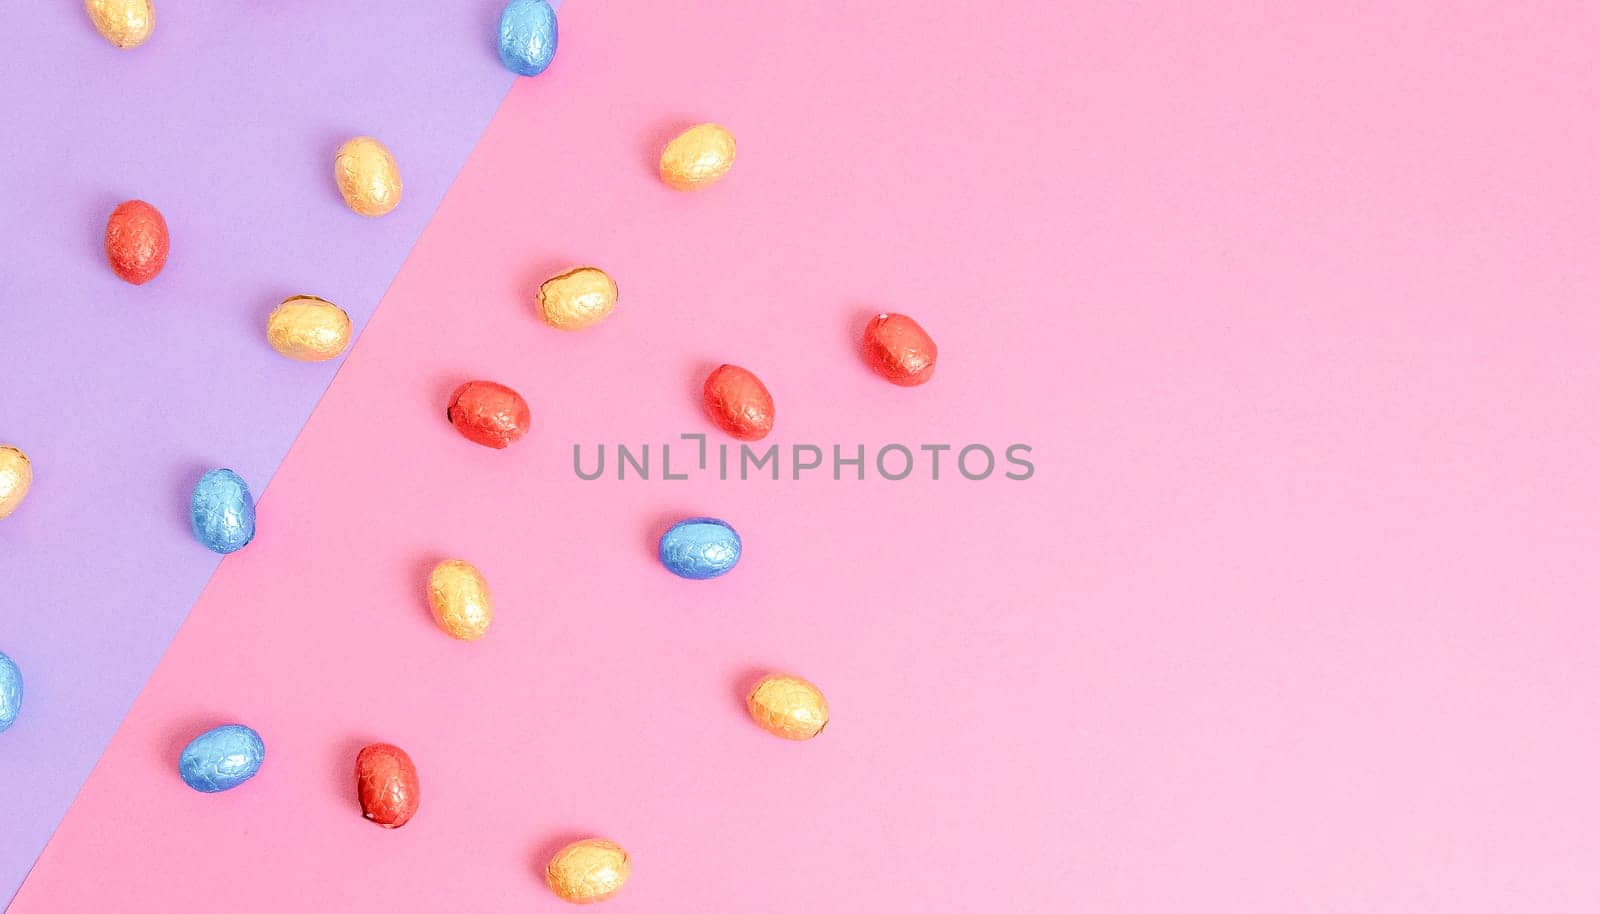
[[16, 475], [124, 23], [788, 706], [578, 298], [460, 599], [589, 870], [367, 175], [308, 329], [697, 157]]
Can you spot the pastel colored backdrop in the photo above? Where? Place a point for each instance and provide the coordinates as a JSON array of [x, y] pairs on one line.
[[1296, 614], [227, 120]]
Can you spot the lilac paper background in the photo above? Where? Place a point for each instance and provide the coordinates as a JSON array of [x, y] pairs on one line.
[[227, 120]]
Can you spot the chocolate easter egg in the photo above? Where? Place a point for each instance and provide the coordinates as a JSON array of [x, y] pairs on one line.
[[528, 36], [699, 548], [387, 785], [489, 414], [459, 598], [697, 157], [577, 299], [788, 706], [222, 758], [221, 512], [368, 178], [897, 348], [16, 477], [124, 23], [587, 871], [308, 329], [739, 403], [10, 692], [137, 241]]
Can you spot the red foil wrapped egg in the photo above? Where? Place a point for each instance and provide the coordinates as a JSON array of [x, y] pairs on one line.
[[387, 785], [899, 349], [137, 241], [739, 403], [490, 414]]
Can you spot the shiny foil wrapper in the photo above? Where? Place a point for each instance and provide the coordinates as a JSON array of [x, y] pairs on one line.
[[308, 329], [10, 692], [897, 348], [489, 414], [368, 178], [458, 594], [222, 758], [528, 36], [16, 477], [387, 785], [221, 512], [586, 871], [137, 241], [700, 548], [578, 298], [697, 157], [786, 705], [739, 403], [124, 23]]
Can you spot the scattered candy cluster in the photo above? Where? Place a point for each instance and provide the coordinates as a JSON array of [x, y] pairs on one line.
[[307, 328]]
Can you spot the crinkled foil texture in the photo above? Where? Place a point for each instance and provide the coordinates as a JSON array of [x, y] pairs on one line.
[[788, 706], [589, 870], [739, 403], [458, 594], [367, 176], [387, 785], [221, 512], [697, 157], [308, 329]]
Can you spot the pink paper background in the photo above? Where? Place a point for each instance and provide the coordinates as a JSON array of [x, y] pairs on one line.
[[1297, 614]]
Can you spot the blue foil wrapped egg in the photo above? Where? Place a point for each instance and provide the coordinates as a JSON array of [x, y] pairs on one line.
[[10, 692], [221, 512], [222, 759], [700, 548], [528, 36]]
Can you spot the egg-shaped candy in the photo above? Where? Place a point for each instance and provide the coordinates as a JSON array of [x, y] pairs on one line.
[[587, 871], [739, 403], [368, 178], [577, 299], [697, 157], [221, 512], [788, 706], [489, 414], [528, 36], [459, 597], [222, 758], [308, 329], [124, 23], [16, 477], [137, 241], [700, 548], [10, 692], [897, 348], [387, 785]]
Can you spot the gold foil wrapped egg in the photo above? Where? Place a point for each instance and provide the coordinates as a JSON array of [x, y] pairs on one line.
[[788, 706], [124, 23], [16, 475], [308, 329], [697, 157], [459, 596], [368, 177], [578, 298], [589, 870]]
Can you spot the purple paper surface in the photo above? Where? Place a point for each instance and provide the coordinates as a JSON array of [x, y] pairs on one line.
[[227, 120]]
